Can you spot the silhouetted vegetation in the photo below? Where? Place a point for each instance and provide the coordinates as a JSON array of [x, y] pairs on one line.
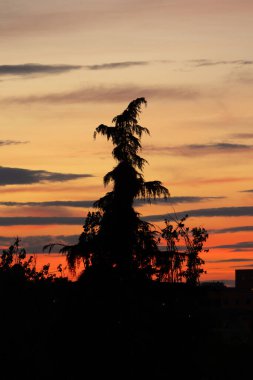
[[15, 266], [115, 239], [181, 259]]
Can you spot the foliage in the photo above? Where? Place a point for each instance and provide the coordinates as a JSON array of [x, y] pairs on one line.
[[181, 261], [86, 246], [15, 266], [115, 236], [126, 134]]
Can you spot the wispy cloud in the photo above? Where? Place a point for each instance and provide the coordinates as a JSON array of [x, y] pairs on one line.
[[246, 191], [17, 176], [87, 204], [35, 244], [176, 200], [193, 150], [12, 142], [232, 229], [194, 62], [108, 94], [206, 212], [40, 221], [244, 246], [234, 260], [35, 68], [30, 69], [78, 204], [116, 65], [242, 266], [209, 62]]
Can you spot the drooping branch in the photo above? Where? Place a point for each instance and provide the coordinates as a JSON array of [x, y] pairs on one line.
[[152, 190]]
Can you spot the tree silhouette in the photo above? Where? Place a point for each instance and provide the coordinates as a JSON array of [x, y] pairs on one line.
[[120, 225], [181, 261], [114, 237]]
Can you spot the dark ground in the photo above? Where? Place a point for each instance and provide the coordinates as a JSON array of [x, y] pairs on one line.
[[66, 330]]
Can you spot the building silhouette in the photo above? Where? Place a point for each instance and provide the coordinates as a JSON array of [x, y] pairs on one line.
[[244, 279]]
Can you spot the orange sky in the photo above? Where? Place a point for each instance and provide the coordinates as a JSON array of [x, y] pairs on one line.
[[65, 69]]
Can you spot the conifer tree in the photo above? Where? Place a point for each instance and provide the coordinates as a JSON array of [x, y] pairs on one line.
[[121, 231], [115, 238]]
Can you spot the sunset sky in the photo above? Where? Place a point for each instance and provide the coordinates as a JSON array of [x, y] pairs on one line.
[[68, 66]]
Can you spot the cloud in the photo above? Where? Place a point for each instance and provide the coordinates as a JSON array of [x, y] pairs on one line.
[[246, 191], [40, 221], [196, 63], [88, 204], [12, 142], [35, 68], [195, 150], [176, 200], [235, 260], [209, 62], [16, 176], [35, 244], [83, 204], [206, 212], [243, 266], [232, 229], [243, 246], [107, 95], [117, 65], [223, 211]]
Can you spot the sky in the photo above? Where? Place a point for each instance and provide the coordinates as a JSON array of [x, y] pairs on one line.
[[67, 67]]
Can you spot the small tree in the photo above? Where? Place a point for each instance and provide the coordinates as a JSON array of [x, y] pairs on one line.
[[181, 261]]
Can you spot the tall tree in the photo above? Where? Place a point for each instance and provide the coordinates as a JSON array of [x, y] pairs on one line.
[[121, 227], [115, 237]]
